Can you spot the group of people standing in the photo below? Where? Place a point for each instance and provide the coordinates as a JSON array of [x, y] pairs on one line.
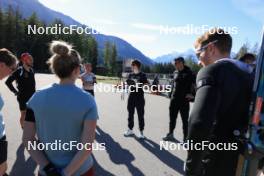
[[223, 90], [23, 75], [181, 96], [42, 111], [221, 104]]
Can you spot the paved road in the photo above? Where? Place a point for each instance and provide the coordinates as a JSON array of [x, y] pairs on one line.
[[123, 156]]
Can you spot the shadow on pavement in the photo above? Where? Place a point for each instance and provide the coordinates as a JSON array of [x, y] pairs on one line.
[[164, 156], [21, 165], [117, 154], [99, 170]]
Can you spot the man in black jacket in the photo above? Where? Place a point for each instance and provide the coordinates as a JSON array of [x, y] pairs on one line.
[[220, 109], [180, 98]]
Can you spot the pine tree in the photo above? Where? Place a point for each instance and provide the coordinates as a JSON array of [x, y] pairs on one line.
[[113, 60], [243, 50], [255, 49], [16, 35], [93, 52], [10, 32], [107, 55], [19, 32]]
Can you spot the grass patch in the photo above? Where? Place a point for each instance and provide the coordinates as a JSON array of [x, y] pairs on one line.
[[107, 79]]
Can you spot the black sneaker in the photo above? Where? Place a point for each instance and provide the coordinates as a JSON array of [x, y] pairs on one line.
[[169, 137]]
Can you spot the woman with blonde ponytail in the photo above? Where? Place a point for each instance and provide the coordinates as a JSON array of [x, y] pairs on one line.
[[62, 113]]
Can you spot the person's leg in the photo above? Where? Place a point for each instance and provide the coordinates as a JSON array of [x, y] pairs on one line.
[[22, 106], [140, 106], [131, 110], [22, 117], [184, 111], [174, 109], [3, 156]]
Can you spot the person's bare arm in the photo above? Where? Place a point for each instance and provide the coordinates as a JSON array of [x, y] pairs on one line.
[[29, 134], [88, 136]]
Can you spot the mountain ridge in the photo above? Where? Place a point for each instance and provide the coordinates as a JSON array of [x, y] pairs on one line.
[[166, 58], [28, 7]]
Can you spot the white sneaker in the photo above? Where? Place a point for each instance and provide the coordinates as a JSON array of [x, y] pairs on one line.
[[141, 135], [129, 133]]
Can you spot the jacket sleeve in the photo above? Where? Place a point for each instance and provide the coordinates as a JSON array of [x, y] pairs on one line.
[[10, 80], [144, 79], [129, 80], [201, 120], [189, 82]]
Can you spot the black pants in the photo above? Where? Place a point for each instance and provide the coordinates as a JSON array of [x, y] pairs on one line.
[[90, 91], [3, 150], [138, 103], [184, 108]]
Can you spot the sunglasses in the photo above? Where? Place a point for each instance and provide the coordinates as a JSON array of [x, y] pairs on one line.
[[203, 48]]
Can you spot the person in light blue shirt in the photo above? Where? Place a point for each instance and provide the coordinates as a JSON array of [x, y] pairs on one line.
[[7, 66], [62, 116]]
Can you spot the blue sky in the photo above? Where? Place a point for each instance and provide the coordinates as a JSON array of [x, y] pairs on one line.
[[139, 21]]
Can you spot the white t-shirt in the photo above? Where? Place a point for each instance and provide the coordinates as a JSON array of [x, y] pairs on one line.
[[88, 81]]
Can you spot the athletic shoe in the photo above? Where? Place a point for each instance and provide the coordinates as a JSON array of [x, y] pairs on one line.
[[169, 137], [141, 135], [129, 133]]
